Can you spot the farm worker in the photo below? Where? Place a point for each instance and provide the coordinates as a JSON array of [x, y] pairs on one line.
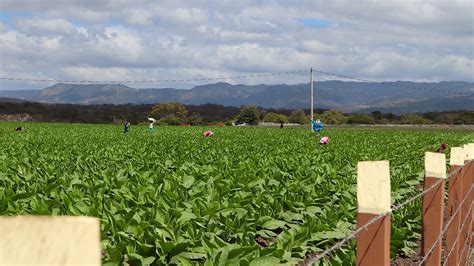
[[152, 121], [126, 127], [317, 125], [443, 147], [324, 140], [208, 133]]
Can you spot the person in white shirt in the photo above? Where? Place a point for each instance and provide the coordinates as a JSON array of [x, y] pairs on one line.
[[152, 122]]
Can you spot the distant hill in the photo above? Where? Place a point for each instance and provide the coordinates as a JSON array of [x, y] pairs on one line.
[[430, 105], [345, 96], [11, 100]]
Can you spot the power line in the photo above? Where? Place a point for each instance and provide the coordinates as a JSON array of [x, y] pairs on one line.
[[392, 84], [389, 83], [155, 81]]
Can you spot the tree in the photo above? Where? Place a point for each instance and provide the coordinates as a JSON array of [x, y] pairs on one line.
[[361, 119], [390, 116], [172, 113], [298, 116], [275, 118], [195, 119], [248, 114], [333, 117], [415, 119], [464, 118], [377, 115], [171, 120]]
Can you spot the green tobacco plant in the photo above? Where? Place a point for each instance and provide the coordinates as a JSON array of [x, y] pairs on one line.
[[246, 196]]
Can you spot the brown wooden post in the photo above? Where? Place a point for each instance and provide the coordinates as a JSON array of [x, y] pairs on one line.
[[433, 206], [465, 211], [454, 202], [41, 240], [470, 156], [373, 199], [468, 179]]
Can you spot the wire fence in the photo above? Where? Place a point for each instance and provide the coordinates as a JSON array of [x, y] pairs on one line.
[[440, 237], [450, 252], [310, 259], [316, 257], [466, 245]]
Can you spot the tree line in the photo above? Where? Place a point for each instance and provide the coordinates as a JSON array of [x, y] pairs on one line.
[[176, 114]]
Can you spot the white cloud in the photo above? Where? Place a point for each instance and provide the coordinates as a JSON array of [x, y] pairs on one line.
[[140, 17], [97, 40], [186, 15], [43, 26]]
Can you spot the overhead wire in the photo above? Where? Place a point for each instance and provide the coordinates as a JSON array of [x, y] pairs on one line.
[[392, 84], [158, 80]]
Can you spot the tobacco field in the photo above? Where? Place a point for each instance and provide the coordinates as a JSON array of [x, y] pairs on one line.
[[245, 196]]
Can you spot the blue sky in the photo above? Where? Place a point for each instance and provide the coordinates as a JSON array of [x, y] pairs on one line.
[[314, 22], [8, 16], [175, 39]]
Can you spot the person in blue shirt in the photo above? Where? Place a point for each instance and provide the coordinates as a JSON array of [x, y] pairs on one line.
[[126, 127], [317, 125]]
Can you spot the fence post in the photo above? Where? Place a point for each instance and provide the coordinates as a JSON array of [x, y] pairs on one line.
[[454, 202], [373, 199], [433, 206], [470, 156], [41, 240], [468, 179]]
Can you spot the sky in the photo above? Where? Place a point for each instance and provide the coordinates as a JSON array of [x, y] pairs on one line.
[[384, 40]]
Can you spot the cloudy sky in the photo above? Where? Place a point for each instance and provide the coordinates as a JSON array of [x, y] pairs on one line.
[[154, 40]]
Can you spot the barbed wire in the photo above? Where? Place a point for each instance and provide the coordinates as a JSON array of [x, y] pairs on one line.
[[472, 251], [156, 81], [310, 260], [466, 245], [316, 257], [457, 170], [458, 237], [404, 195], [425, 257]]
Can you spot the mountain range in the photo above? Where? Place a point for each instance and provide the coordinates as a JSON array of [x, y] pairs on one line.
[[396, 97]]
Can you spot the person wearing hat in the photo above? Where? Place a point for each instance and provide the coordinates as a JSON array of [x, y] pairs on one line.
[[151, 127], [317, 125]]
